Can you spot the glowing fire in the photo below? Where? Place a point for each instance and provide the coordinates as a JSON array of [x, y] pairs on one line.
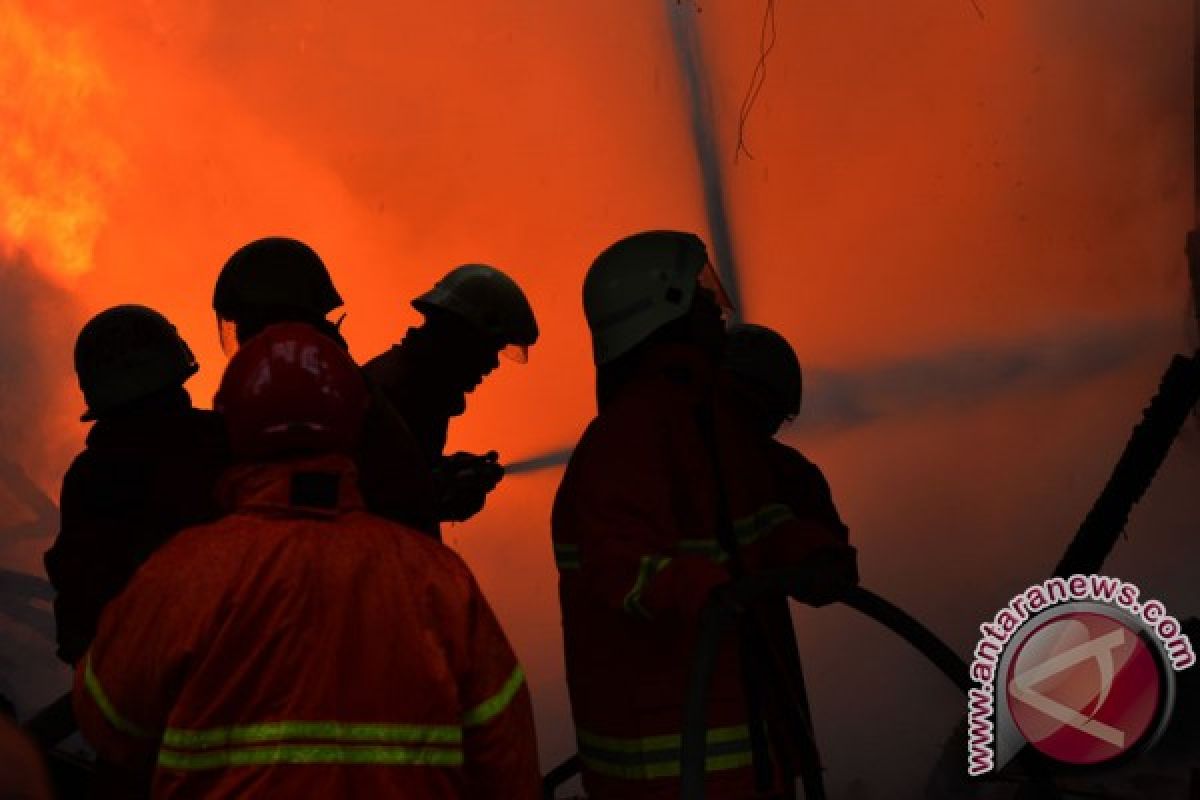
[[57, 156]]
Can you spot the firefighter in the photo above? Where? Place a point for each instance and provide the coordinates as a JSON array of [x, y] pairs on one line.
[[471, 316], [302, 646], [765, 385], [277, 279], [149, 467], [665, 497]]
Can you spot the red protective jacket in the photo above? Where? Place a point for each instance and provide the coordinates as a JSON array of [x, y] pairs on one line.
[[635, 536], [301, 647]]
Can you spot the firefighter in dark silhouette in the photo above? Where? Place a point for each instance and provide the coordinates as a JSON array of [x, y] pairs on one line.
[[148, 470], [301, 646], [667, 496], [277, 279], [472, 315], [765, 385]]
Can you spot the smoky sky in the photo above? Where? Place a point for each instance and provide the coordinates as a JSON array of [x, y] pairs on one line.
[[38, 321], [965, 376]]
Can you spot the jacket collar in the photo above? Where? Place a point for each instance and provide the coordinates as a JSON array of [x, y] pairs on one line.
[[321, 486], [683, 365]]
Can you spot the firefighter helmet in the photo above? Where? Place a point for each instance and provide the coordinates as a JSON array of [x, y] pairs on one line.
[[126, 353], [640, 284], [274, 273], [491, 301], [291, 390], [765, 360]]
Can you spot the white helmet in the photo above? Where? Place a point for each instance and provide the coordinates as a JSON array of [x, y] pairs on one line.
[[491, 301], [640, 284]]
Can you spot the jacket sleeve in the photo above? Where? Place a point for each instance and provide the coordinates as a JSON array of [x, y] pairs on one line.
[[125, 683], [92, 556], [499, 741], [613, 519], [806, 489]]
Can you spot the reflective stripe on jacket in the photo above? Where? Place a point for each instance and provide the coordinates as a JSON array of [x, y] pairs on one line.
[[636, 542], [302, 647]]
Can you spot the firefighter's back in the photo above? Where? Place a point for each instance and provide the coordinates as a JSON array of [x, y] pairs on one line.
[[333, 652]]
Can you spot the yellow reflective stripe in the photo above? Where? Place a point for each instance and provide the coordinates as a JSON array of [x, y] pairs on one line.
[[490, 708], [311, 754], [649, 566], [285, 730], [759, 524], [664, 769], [566, 555], [105, 705], [650, 757], [661, 742], [703, 547]]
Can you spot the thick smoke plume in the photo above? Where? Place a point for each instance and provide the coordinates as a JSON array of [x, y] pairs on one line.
[[38, 320]]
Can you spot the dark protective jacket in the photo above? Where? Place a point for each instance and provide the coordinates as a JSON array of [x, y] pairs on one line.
[[395, 478], [407, 375], [636, 526], [401, 373], [803, 489], [139, 480], [314, 650]]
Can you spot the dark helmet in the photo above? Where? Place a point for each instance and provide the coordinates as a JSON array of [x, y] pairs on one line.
[[764, 359], [126, 353], [291, 390], [274, 273]]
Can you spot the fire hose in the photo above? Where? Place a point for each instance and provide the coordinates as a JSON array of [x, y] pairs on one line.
[[720, 614]]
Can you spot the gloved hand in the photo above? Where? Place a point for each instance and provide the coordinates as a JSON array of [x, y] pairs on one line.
[[462, 482], [835, 571]]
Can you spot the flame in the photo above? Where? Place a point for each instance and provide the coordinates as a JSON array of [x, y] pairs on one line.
[[59, 156]]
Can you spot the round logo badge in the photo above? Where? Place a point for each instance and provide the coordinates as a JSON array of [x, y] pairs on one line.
[[1085, 688]]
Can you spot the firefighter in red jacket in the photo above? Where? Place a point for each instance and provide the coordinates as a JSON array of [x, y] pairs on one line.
[[665, 496], [302, 647]]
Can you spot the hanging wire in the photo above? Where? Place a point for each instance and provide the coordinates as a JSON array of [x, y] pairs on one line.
[[766, 43], [978, 10]]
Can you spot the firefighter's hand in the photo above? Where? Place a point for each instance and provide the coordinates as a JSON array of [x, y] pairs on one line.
[[835, 571], [462, 481]]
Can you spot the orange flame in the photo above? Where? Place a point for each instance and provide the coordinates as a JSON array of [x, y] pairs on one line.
[[58, 159]]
